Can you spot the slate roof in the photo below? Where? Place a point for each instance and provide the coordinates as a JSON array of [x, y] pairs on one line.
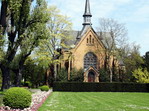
[[77, 35]]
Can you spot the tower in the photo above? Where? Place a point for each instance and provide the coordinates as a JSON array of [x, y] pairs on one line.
[[87, 20], [87, 14]]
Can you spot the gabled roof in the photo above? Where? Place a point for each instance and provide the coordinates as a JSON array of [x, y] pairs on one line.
[[83, 35], [91, 68]]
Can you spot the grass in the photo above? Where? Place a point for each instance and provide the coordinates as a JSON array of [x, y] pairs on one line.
[[96, 101], [1, 97]]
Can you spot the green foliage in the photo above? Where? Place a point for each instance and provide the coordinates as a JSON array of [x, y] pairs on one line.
[[17, 98], [141, 75], [0, 78], [44, 88], [147, 60], [99, 87], [62, 75], [104, 75], [132, 62], [26, 28], [27, 84], [47, 52], [34, 73], [1, 46], [76, 75]]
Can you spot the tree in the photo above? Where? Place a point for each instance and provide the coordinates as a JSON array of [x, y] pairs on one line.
[[34, 34], [146, 58], [132, 61], [114, 35], [49, 50], [15, 21], [141, 75], [33, 72]]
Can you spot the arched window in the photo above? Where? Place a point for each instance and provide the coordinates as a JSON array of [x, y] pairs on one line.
[[93, 41], [90, 39], [87, 40], [90, 59]]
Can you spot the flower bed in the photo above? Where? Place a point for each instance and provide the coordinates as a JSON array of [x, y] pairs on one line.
[[37, 100]]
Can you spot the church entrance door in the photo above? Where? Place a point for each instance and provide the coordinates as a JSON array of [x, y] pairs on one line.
[[91, 76]]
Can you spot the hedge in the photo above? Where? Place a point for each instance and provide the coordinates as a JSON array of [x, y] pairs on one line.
[[100, 87]]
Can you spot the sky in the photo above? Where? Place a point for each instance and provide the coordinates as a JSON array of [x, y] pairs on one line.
[[133, 13]]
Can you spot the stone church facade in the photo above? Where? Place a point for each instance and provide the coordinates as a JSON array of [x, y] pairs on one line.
[[88, 52]]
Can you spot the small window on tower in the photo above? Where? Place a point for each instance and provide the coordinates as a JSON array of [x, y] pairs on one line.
[[87, 40], [93, 41], [90, 39]]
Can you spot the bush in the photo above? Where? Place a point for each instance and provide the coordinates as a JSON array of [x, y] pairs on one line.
[[104, 76], [44, 88], [28, 84], [62, 75], [17, 98], [100, 87], [77, 75]]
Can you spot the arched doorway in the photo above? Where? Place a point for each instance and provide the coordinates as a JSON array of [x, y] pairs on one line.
[[91, 76]]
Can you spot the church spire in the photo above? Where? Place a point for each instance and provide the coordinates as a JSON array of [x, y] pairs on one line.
[[87, 14]]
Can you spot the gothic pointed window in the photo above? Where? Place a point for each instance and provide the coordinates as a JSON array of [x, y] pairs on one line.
[[93, 41], [87, 40], [90, 59], [90, 39]]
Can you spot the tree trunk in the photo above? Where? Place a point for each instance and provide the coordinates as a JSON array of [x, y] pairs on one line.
[[69, 70], [3, 15], [55, 71], [111, 74], [18, 77], [47, 76], [6, 77]]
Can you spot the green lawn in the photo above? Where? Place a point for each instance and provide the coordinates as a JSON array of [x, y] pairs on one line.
[[96, 101], [1, 97]]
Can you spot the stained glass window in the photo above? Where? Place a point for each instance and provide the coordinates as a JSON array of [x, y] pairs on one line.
[[90, 59]]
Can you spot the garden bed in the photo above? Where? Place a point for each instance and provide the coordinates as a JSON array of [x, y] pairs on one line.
[[37, 100]]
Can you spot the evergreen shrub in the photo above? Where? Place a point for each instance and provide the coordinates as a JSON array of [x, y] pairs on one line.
[[17, 98], [44, 88]]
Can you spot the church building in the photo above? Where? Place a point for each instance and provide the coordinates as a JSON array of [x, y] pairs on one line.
[[88, 51]]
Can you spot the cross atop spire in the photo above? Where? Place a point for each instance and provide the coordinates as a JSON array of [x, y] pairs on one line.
[[87, 14]]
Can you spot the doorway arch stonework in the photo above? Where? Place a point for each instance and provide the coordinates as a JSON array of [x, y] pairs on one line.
[[91, 75]]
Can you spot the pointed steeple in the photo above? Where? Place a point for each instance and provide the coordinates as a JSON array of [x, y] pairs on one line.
[[87, 21], [87, 14]]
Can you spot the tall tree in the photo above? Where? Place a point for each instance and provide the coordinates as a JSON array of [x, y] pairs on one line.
[[114, 35], [34, 34], [132, 60], [15, 21], [147, 60], [49, 50]]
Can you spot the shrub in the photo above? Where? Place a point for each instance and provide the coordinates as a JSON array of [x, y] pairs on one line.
[[100, 87], [142, 75], [62, 75], [104, 76], [27, 84], [77, 75], [44, 88], [17, 98]]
